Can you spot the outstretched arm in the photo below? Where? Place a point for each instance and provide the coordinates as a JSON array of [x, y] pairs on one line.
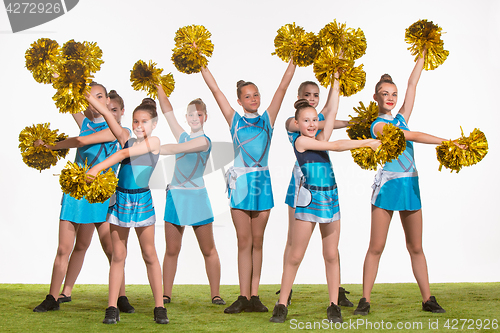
[[148, 145], [332, 106], [411, 91], [193, 146], [275, 105], [304, 143], [168, 112], [80, 141], [224, 105], [121, 134], [413, 136]]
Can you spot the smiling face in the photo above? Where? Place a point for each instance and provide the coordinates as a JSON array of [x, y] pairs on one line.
[[100, 94], [142, 124], [195, 117], [310, 93], [307, 122], [249, 98], [386, 97]]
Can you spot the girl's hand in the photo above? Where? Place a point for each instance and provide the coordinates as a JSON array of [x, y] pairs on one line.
[[90, 175], [39, 143], [455, 142], [374, 144]]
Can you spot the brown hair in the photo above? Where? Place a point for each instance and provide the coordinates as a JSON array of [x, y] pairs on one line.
[[114, 96], [240, 84], [386, 78], [199, 102], [300, 105], [305, 84], [148, 105], [93, 83]]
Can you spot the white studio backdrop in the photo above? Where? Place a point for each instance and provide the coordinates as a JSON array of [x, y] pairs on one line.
[[461, 225]]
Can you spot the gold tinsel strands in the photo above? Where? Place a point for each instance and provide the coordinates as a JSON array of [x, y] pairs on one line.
[[88, 53], [359, 126], [292, 42], [365, 158], [147, 77], [102, 187], [62, 153], [454, 158], [348, 42], [39, 158], [42, 58], [72, 85], [73, 180], [192, 46], [351, 79], [425, 35], [393, 144]]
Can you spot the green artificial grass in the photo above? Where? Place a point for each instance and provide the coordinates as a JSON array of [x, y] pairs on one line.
[[469, 306]]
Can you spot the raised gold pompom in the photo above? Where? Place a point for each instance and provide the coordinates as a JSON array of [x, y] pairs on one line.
[[42, 59], [293, 42], [423, 36], [192, 47], [147, 77]]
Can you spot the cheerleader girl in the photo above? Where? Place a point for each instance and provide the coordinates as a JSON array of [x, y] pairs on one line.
[[186, 190], [133, 206], [309, 91], [78, 217], [396, 189], [317, 202], [249, 183]]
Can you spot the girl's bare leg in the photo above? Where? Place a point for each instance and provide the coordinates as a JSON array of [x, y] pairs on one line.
[[173, 239]]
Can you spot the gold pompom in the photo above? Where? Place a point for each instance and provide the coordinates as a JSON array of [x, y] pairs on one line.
[[359, 126], [365, 158], [88, 53], [73, 180], [147, 77], [454, 158], [393, 144], [61, 153], [40, 157], [72, 85], [292, 42], [192, 46], [102, 187], [424, 35], [346, 42], [351, 79], [42, 59]]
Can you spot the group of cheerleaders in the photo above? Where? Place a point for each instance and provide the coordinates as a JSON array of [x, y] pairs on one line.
[[312, 195]]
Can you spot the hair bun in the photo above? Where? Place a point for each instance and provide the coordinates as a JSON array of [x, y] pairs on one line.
[[149, 101], [240, 83], [386, 78], [301, 103]]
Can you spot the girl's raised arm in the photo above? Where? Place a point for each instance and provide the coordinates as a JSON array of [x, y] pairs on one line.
[[332, 108], [411, 91], [168, 112], [79, 117], [192, 146], [275, 105], [120, 133], [224, 105]]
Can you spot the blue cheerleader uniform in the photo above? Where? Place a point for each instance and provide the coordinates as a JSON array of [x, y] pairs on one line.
[[187, 198], [133, 204], [396, 185], [318, 199], [293, 187], [81, 211], [249, 180]]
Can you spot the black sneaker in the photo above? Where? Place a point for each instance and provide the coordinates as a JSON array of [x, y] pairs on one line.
[[241, 304], [363, 307], [256, 305], [432, 306], [218, 300], [279, 314], [160, 315], [166, 299], [333, 313], [124, 305], [289, 301], [112, 315], [48, 304], [343, 301], [63, 299]]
